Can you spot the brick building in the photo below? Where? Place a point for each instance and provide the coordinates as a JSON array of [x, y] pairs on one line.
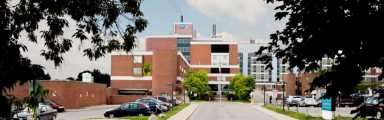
[[171, 56]]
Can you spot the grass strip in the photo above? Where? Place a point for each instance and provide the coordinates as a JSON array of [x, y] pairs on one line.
[[301, 116], [199, 101], [168, 113]]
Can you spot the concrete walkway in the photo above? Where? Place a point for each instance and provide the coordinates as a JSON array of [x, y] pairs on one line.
[[273, 114], [185, 113]]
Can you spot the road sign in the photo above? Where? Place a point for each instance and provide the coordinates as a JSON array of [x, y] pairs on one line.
[[195, 95], [274, 93]]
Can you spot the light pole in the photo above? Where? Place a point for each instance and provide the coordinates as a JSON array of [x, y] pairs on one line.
[[184, 86]]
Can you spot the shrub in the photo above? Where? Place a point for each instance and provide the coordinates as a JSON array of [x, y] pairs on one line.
[[233, 95], [207, 96]]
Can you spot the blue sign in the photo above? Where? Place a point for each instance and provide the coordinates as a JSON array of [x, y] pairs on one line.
[[326, 103], [181, 25]]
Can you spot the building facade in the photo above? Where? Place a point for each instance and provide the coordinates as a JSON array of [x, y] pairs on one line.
[[171, 56]]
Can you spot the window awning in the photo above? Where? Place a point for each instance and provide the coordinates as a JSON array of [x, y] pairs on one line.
[[135, 89]]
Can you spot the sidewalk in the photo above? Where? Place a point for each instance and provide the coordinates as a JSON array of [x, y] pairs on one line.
[[92, 108], [185, 113], [273, 114]]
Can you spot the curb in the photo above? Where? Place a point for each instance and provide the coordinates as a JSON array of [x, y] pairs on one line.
[[265, 113], [193, 111], [272, 115]]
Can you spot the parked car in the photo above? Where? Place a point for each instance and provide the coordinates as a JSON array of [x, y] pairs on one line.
[[58, 107], [162, 98], [344, 100], [44, 112], [308, 102], [153, 106], [371, 107], [297, 98], [358, 100], [319, 102], [290, 103], [175, 103], [129, 109], [163, 106]]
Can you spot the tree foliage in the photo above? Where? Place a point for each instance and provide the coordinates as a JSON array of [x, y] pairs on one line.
[[243, 86], [198, 81], [70, 78], [363, 87], [34, 97], [147, 69], [98, 77], [97, 18], [340, 29]]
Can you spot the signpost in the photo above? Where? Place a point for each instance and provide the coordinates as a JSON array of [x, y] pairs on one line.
[[328, 109], [274, 96], [284, 92], [172, 92]]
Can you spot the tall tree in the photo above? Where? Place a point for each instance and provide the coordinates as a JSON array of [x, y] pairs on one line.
[[242, 85], [98, 77], [197, 80], [346, 30], [97, 18]]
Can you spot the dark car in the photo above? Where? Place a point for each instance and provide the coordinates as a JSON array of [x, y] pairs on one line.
[[58, 107], [153, 106], [162, 104], [44, 112], [175, 103], [129, 109], [344, 100], [371, 107]]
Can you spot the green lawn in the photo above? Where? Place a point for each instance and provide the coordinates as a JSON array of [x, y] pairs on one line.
[[168, 114], [198, 100], [301, 116], [243, 101]]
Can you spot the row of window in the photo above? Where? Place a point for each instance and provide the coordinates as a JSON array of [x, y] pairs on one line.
[[219, 57], [369, 79], [183, 49], [217, 63], [183, 40], [137, 59]]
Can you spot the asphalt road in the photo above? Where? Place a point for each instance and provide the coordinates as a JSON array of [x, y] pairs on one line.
[[316, 111], [227, 111], [83, 114]]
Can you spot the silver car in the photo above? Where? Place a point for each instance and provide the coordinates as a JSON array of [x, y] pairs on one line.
[[44, 112], [308, 102]]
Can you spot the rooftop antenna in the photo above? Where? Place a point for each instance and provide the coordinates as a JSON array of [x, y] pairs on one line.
[[176, 6]]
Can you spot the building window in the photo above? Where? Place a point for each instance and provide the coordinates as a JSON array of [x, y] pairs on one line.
[[271, 86], [183, 40], [258, 86], [183, 49], [300, 80], [222, 78], [367, 78], [291, 71], [254, 60], [307, 79], [262, 68], [138, 59], [377, 79], [137, 70], [328, 61], [254, 76], [283, 69], [307, 87], [262, 62], [254, 68], [262, 76]]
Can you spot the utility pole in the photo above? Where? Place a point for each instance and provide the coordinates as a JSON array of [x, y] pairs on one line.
[[264, 95], [283, 95], [172, 96]]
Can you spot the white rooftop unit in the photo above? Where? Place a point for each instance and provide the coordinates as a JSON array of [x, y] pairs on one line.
[[87, 77]]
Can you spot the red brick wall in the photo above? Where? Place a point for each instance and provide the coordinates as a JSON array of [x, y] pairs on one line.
[[181, 66], [187, 30], [68, 93], [120, 99], [164, 70], [305, 83], [131, 84], [202, 54], [122, 65], [233, 55], [206, 69], [290, 88], [235, 70], [19, 91], [161, 44]]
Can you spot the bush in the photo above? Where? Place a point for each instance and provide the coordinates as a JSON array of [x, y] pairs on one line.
[[233, 95], [207, 96]]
